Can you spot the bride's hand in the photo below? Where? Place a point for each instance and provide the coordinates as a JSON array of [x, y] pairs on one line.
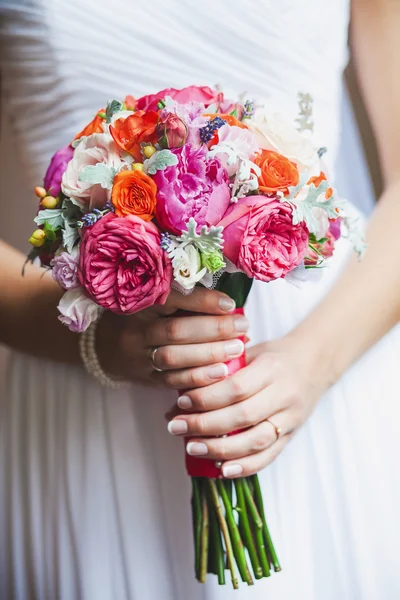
[[191, 350], [270, 399]]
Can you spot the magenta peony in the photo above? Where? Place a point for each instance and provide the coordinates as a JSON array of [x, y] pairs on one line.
[[195, 187], [122, 266], [193, 93], [56, 169], [260, 238]]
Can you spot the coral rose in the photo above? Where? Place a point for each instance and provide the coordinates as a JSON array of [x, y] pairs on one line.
[[277, 172], [134, 193], [193, 93], [95, 126], [122, 266], [260, 238], [130, 132], [194, 187]]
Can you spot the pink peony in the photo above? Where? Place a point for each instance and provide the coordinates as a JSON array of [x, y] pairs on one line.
[[56, 169], [260, 238], [193, 93], [122, 266], [195, 187]]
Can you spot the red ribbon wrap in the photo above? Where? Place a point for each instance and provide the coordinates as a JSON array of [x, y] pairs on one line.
[[203, 467]]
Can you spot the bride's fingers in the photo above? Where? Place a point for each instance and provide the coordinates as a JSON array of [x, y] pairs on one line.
[[249, 465], [252, 441], [184, 379], [195, 329], [170, 358], [199, 300]]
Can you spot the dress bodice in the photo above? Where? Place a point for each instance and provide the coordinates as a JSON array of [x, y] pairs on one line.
[[62, 60]]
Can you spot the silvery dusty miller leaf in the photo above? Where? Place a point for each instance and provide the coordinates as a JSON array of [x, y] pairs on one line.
[[99, 173], [160, 161], [113, 106], [51, 216], [70, 235]]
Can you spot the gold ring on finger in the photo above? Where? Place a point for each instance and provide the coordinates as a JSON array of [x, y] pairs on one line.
[[278, 430]]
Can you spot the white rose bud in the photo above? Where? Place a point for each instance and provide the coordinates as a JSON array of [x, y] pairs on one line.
[[187, 266]]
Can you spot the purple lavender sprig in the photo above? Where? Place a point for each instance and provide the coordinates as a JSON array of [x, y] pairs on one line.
[[207, 132], [90, 218]]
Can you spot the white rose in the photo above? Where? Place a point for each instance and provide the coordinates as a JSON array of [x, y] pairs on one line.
[[186, 264], [94, 149], [77, 310], [275, 133]]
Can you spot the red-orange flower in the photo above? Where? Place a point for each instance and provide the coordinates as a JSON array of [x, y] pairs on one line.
[[95, 126], [134, 193], [230, 119], [130, 102], [277, 172], [130, 132], [317, 180]]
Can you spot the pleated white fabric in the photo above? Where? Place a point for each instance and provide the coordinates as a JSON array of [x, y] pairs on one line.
[[94, 500]]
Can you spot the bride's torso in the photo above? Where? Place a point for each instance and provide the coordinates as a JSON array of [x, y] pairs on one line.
[[62, 60]]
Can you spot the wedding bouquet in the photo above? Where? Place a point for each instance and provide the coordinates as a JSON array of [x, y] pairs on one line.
[[178, 189]]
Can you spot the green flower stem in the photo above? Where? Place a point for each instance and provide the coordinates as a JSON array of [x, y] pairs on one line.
[[252, 505], [246, 530], [228, 483], [262, 552], [196, 512], [218, 562], [204, 535], [237, 543], [267, 537], [225, 531]]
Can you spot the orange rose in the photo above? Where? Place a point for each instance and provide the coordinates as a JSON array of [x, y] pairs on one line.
[[95, 126], [130, 132], [277, 172], [134, 193], [317, 180], [230, 119]]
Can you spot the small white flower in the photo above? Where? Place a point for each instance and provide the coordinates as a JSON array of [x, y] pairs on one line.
[[186, 264], [77, 310], [275, 133]]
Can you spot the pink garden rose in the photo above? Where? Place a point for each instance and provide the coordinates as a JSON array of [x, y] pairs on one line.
[[122, 266], [195, 187], [56, 169], [260, 238], [193, 93], [321, 251], [171, 131], [94, 149], [65, 269]]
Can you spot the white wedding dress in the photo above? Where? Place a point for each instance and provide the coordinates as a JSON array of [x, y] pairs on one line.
[[94, 499]]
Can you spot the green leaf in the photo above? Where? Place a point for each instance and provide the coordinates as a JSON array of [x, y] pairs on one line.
[[208, 240], [51, 216], [236, 285], [113, 106], [100, 173], [160, 161], [70, 235]]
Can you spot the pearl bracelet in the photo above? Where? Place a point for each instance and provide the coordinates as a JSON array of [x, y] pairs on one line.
[[87, 349]]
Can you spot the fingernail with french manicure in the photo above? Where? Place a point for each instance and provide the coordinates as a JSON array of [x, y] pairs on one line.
[[231, 470], [177, 427], [227, 304], [196, 449], [184, 402], [242, 324], [217, 371], [234, 348]]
